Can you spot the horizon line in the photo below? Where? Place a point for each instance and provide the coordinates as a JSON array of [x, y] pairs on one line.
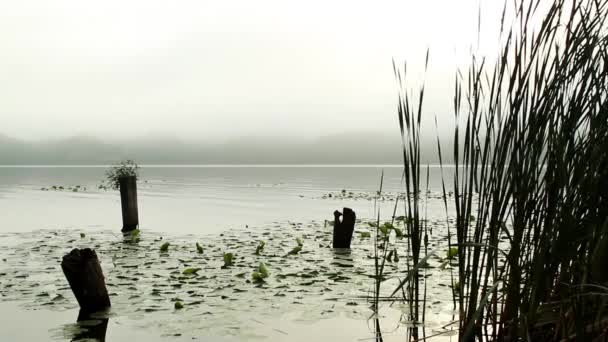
[[218, 165]]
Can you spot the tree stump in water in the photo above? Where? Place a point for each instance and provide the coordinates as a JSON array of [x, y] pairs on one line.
[[82, 270], [128, 202], [343, 230]]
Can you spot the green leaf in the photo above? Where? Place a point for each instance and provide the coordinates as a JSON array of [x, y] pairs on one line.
[[295, 250], [263, 270], [452, 252], [365, 235], [179, 305], [191, 270], [386, 228], [260, 247], [199, 248], [257, 277], [260, 273], [228, 259], [134, 235], [398, 232], [164, 247]]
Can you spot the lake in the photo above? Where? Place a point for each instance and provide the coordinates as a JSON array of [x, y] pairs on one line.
[[45, 208]]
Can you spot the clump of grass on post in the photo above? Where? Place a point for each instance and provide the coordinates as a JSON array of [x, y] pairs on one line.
[[126, 168]]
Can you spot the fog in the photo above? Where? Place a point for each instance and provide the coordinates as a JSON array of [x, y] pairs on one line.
[[219, 70], [360, 148]]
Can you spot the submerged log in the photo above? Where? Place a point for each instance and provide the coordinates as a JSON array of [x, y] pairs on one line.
[[82, 270], [128, 202], [343, 230]]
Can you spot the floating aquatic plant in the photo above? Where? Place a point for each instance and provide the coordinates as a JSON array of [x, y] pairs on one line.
[[191, 270], [452, 252], [260, 247], [132, 236], [228, 259], [260, 273], [365, 235]]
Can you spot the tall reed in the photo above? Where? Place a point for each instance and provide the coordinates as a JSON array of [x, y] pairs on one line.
[[531, 179], [531, 155], [410, 115]]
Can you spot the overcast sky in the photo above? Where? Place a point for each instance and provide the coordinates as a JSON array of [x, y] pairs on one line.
[[225, 69]]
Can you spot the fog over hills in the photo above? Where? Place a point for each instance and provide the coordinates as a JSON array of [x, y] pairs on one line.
[[352, 148]]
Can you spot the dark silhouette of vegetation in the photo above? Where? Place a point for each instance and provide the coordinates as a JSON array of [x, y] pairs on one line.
[[126, 168], [530, 188]]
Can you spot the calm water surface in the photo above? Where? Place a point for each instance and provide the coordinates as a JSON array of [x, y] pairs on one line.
[[197, 200], [190, 199]]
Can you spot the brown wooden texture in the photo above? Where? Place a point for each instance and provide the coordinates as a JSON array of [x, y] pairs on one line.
[[82, 270], [128, 202], [343, 229]]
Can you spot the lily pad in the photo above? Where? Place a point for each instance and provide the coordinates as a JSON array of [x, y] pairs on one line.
[[228, 259], [452, 252], [191, 270]]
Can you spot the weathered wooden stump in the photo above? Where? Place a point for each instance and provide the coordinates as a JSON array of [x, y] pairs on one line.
[[128, 201], [82, 270], [343, 230]]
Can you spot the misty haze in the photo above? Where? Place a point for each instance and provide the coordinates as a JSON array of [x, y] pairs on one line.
[[280, 170], [351, 148]]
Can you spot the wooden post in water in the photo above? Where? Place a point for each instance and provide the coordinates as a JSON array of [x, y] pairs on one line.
[[343, 230], [128, 201], [82, 270]]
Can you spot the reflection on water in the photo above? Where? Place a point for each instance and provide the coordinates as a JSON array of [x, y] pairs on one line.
[[342, 257], [378, 330], [92, 327]]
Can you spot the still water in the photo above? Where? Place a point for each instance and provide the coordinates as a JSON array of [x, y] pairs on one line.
[[191, 199], [223, 207]]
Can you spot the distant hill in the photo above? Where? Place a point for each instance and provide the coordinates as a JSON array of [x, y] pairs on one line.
[[362, 148]]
